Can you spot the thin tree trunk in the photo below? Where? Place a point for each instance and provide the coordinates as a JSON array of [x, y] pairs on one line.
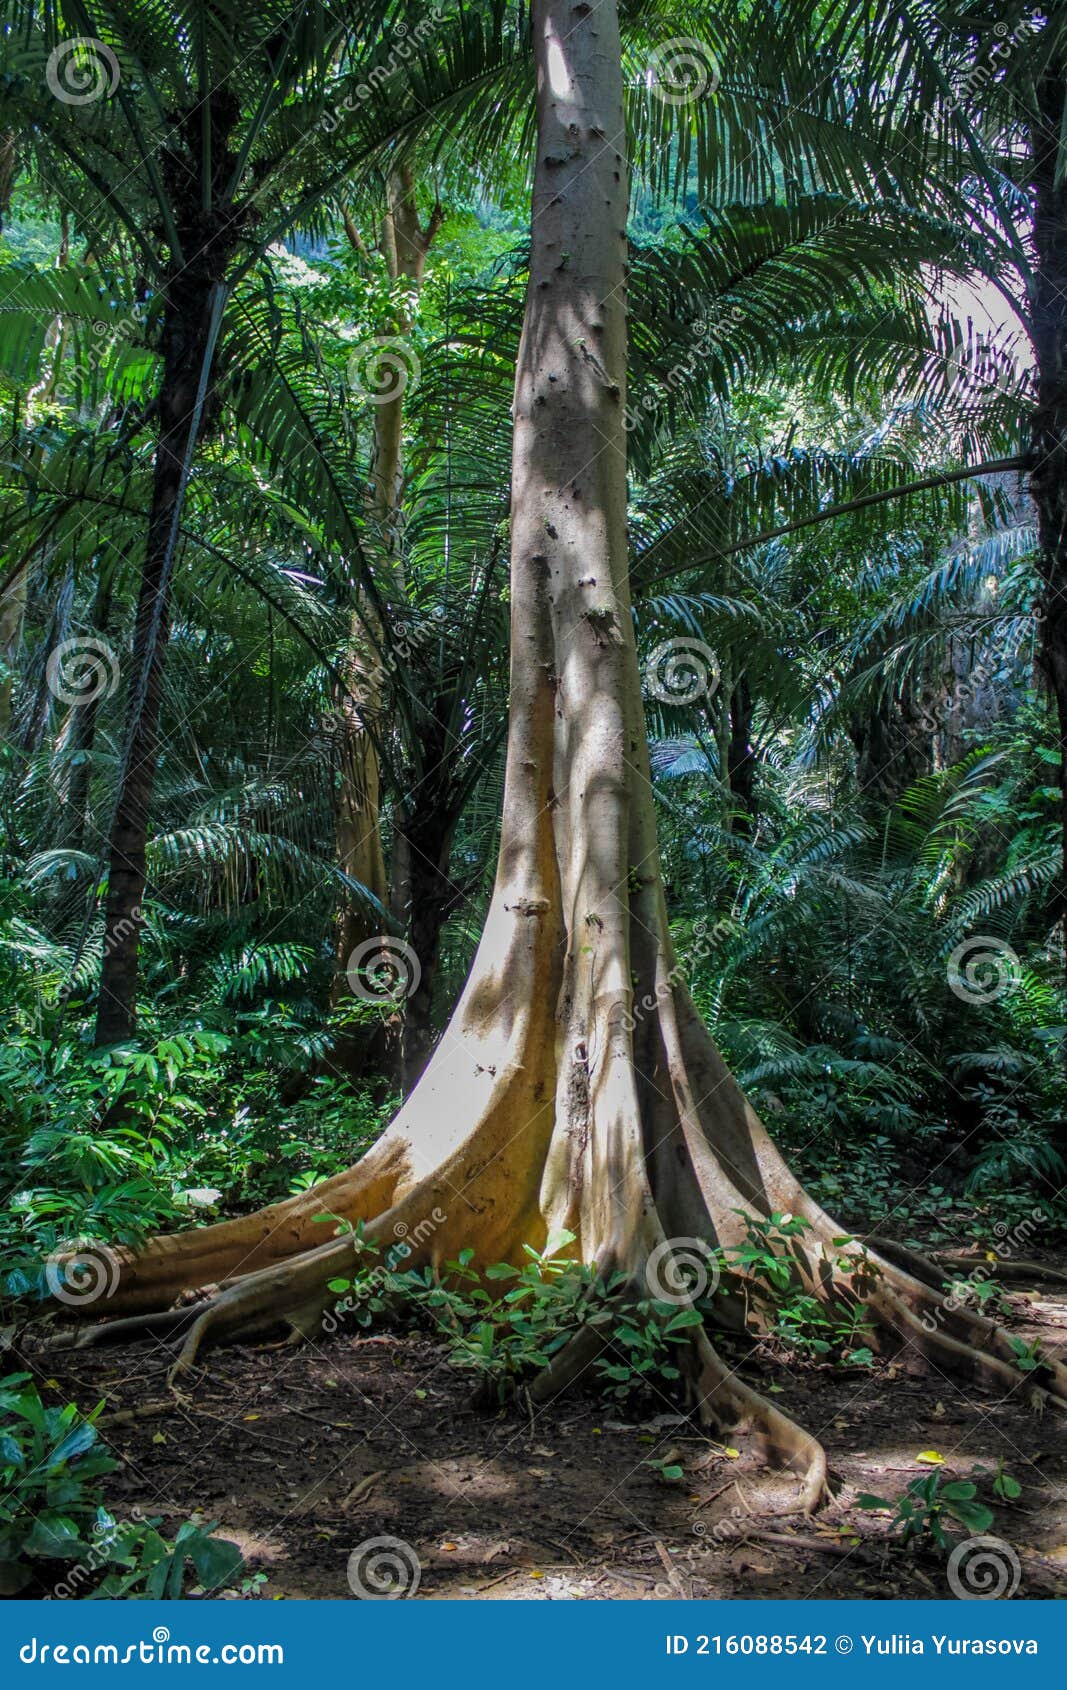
[[405, 245], [741, 759], [186, 341], [83, 737]]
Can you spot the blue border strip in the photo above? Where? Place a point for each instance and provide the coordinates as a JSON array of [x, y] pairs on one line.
[[462, 1645]]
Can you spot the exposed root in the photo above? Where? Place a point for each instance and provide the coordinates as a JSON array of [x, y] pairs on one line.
[[725, 1401], [961, 1341], [568, 1364], [293, 1294], [933, 1268], [1010, 1273], [167, 1324]]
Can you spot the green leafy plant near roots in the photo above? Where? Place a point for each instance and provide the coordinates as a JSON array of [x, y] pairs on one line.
[[116, 1144], [57, 1535], [934, 1508], [930, 1506], [506, 1337]]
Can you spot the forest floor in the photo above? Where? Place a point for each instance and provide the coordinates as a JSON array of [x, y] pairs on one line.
[[300, 1454]]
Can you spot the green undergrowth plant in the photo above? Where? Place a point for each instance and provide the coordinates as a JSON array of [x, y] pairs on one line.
[[57, 1536], [110, 1146], [504, 1323], [789, 1313], [940, 1505]]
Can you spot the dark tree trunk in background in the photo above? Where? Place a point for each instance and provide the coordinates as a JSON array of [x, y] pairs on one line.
[[741, 759], [83, 737], [1048, 478], [209, 239], [894, 745], [405, 246], [37, 716], [423, 893]]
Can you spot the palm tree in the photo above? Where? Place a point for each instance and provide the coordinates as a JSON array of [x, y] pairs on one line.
[[239, 125]]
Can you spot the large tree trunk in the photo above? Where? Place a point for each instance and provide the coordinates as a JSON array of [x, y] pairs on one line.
[[576, 1087], [187, 329], [1048, 479]]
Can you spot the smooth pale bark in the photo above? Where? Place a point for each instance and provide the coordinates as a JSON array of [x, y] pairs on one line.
[[575, 1086]]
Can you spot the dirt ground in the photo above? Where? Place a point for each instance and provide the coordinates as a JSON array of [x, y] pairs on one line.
[[303, 1454]]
